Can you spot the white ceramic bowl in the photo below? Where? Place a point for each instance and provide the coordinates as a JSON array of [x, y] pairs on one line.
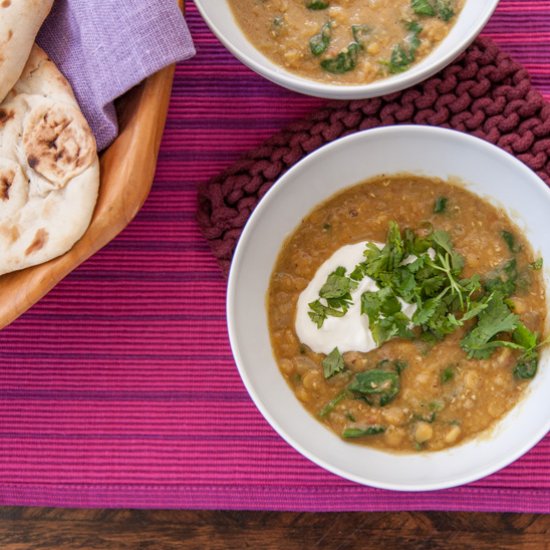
[[473, 18], [489, 172]]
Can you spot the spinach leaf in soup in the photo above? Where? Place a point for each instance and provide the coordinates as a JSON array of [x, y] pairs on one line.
[[377, 387], [510, 240], [319, 42], [360, 33], [353, 433], [343, 62], [440, 205], [404, 54], [317, 4], [332, 404]]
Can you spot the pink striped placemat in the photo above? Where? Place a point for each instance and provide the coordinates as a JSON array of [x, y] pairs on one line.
[[119, 389]]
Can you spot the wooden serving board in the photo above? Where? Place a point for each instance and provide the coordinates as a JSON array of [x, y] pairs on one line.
[[127, 171]]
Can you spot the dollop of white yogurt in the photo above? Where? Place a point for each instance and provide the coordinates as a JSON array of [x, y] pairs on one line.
[[350, 332]]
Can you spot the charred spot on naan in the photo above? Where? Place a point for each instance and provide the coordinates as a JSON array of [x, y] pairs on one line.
[[5, 115], [14, 189], [58, 143], [40, 239], [6, 180]]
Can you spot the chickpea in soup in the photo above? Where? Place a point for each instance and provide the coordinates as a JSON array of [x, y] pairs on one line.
[[407, 313], [346, 41]]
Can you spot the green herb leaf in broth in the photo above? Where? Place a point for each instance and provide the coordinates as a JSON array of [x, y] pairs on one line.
[[440, 205], [317, 4], [494, 319], [332, 404], [445, 10], [377, 387], [503, 279], [526, 368], [343, 62], [537, 264], [447, 375], [319, 42], [510, 241], [360, 33], [404, 54], [354, 433], [423, 7], [333, 363]]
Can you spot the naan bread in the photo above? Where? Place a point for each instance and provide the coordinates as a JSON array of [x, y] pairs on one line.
[[20, 21], [49, 169]]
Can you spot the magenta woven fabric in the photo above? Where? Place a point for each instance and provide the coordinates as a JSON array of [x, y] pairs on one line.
[[119, 389], [484, 93]]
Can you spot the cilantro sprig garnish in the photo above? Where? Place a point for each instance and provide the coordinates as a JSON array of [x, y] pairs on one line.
[[335, 297], [427, 271]]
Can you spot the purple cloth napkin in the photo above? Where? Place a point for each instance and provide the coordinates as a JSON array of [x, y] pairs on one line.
[[105, 47]]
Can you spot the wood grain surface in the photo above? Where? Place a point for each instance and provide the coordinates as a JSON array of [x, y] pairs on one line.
[[48, 528]]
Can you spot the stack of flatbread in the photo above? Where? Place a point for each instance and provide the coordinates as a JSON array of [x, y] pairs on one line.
[[49, 168]]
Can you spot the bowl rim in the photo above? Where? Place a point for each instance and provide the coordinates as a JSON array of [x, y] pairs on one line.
[[246, 235], [315, 88]]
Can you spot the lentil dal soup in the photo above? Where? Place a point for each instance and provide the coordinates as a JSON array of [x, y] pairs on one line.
[[446, 302], [346, 41]]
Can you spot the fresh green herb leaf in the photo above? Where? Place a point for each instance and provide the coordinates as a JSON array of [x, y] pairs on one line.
[[526, 368], [404, 54], [524, 337], [377, 387], [337, 285], [353, 433], [319, 42], [350, 417], [503, 279], [423, 7], [447, 375], [440, 205], [400, 365], [337, 294], [425, 311], [537, 264], [360, 33], [494, 319], [320, 312], [510, 241], [331, 405], [444, 8], [333, 363], [317, 4], [343, 62]]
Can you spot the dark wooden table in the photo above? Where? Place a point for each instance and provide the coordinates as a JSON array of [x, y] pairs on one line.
[[49, 528]]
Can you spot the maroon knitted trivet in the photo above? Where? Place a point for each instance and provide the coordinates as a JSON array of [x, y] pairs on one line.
[[484, 93]]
